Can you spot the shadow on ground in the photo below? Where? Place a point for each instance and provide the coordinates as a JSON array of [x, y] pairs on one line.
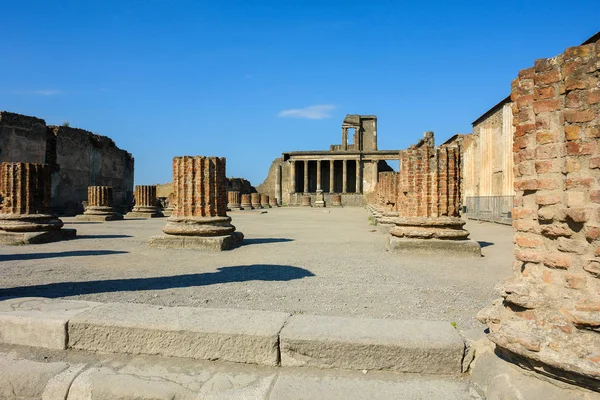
[[102, 236], [247, 242], [74, 253], [242, 273], [485, 244]]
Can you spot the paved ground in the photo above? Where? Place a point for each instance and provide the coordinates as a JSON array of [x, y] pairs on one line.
[[27, 373], [312, 261]]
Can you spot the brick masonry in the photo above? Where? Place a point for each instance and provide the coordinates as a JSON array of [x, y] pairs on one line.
[[549, 313]]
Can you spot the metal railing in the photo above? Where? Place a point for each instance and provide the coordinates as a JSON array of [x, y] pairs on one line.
[[489, 208]]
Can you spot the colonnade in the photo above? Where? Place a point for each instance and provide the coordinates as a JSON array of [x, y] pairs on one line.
[[319, 175]]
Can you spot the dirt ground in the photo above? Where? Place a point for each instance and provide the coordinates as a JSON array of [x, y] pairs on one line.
[[312, 261]]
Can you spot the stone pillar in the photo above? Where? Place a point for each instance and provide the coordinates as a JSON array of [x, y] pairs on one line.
[[255, 199], [331, 176], [247, 202], [305, 176], [548, 317], [318, 175], [292, 176], [25, 216], [344, 176], [429, 216], [277, 196], [358, 177], [145, 203], [100, 205], [320, 200], [167, 211], [344, 138], [233, 200], [273, 202], [199, 219], [264, 201]]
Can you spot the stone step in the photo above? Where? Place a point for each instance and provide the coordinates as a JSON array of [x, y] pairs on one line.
[[75, 375], [243, 336]]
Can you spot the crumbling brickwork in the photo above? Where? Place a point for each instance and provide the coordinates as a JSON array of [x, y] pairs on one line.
[[549, 313], [386, 191], [25, 189], [22, 138], [429, 183]]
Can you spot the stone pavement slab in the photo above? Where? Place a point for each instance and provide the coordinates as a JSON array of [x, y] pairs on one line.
[[360, 343], [38, 322], [203, 333]]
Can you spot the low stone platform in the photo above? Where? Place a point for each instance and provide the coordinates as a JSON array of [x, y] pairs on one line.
[[17, 238], [429, 246], [137, 214], [99, 218], [211, 243], [244, 336]]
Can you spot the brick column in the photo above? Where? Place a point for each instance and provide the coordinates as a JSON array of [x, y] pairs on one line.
[[145, 202], [25, 188], [255, 199], [344, 176], [548, 317], [331, 176], [318, 175], [305, 176], [100, 205], [264, 201], [233, 200], [247, 202]]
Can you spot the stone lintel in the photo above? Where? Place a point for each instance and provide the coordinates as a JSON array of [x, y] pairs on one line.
[[17, 238], [210, 243], [443, 247]]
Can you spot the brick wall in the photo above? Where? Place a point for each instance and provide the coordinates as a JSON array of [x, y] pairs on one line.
[[550, 311]]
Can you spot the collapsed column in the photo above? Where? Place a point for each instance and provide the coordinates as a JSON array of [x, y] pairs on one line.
[[199, 219], [247, 202], [264, 201], [25, 216], [255, 199], [233, 200], [145, 202], [100, 205]]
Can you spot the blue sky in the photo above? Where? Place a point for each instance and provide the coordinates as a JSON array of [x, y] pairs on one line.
[[247, 80]]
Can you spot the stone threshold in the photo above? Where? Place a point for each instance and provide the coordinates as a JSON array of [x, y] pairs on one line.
[[233, 335]]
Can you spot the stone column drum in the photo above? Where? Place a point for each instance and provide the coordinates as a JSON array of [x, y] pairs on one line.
[[273, 202], [100, 205], [168, 210], [25, 216], [255, 199], [199, 219], [145, 203], [336, 200], [264, 201], [247, 202], [320, 200], [233, 200]]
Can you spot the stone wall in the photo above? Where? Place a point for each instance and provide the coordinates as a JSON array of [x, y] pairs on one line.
[[22, 138], [548, 317], [84, 159], [78, 159]]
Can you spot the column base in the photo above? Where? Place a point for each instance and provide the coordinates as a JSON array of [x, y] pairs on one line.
[[320, 204], [208, 243], [142, 214], [99, 217], [234, 207], [434, 246], [167, 211], [265, 205], [19, 238], [247, 207]]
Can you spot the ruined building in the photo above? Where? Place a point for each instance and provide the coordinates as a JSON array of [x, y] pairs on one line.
[[77, 158], [548, 316], [349, 168]]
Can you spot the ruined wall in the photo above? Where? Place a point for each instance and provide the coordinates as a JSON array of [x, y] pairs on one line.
[[385, 194], [549, 314], [429, 184], [22, 138], [84, 159], [488, 164], [236, 184], [268, 185]]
